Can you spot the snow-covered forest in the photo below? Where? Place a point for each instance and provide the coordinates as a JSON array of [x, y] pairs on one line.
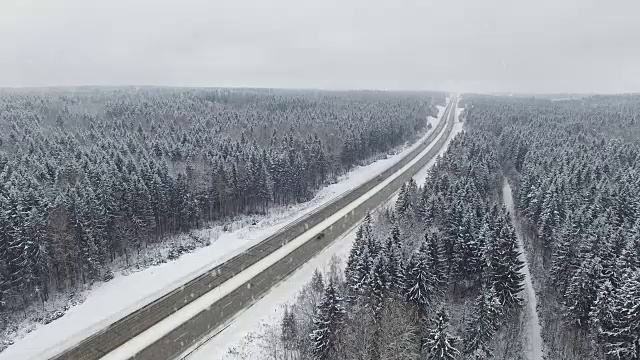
[[91, 177], [576, 165], [438, 277]]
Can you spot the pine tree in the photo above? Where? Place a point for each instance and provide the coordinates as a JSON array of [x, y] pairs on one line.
[[437, 261], [507, 279], [426, 207], [420, 284], [629, 257], [317, 281], [4, 255], [453, 218], [404, 201], [394, 262], [466, 256], [327, 323], [353, 275], [565, 257], [359, 282], [439, 344], [17, 246], [582, 291], [548, 218], [377, 284], [623, 332], [601, 316], [289, 331], [366, 225], [483, 323]]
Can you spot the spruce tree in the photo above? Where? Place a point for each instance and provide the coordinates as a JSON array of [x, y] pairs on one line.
[[437, 261], [317, 281], [4, 253], [507, 279], [327, 323], [466, 256], [483, 324], [404, 201], [565, 257], [582, 292], [420, 284], [289, 331], [394, 261], [352, 275], [439, 344], [623, 333], [378, 284]]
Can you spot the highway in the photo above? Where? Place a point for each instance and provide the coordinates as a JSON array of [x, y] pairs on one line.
[[166, 327]]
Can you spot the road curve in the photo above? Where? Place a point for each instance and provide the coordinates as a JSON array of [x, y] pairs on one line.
[[171, 344]]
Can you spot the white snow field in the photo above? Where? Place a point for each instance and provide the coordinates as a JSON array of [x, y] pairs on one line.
[[107, 302], [268, 310], [533, 347]]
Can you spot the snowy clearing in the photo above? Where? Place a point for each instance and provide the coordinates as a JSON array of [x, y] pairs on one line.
[[533, 330], [107, 302], [239, 332]]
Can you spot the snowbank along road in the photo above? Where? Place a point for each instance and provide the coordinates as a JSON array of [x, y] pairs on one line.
[[168, 325]]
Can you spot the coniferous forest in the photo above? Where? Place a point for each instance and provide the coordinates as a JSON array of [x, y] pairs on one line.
[[576, 165], [91, 176], [438, 274], [88, 178]]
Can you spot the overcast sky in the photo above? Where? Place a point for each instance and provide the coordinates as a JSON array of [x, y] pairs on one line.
[[465, 45]]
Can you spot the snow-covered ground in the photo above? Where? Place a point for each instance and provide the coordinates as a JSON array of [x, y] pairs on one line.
[[224, 342], [533, 330], [107, 302]]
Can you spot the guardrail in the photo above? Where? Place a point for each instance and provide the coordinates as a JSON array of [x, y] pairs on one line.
[[107, 339]]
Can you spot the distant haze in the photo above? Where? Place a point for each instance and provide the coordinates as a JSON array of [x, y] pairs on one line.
[[470, 45]]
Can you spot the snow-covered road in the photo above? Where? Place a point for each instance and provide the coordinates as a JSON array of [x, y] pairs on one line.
[[268, 310], [533, 346]]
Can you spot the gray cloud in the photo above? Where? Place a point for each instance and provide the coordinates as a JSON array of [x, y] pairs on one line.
[[461, 45]]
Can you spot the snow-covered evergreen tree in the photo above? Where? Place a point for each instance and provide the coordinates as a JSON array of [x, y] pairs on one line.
[[420, 282], [289, 331], [439, 344], [483, 323], [582, 291], [317, 281], [404, 201], [506, 276], [622, 334], [326, 325], [352, 274], [378, 283], [395, 262]]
